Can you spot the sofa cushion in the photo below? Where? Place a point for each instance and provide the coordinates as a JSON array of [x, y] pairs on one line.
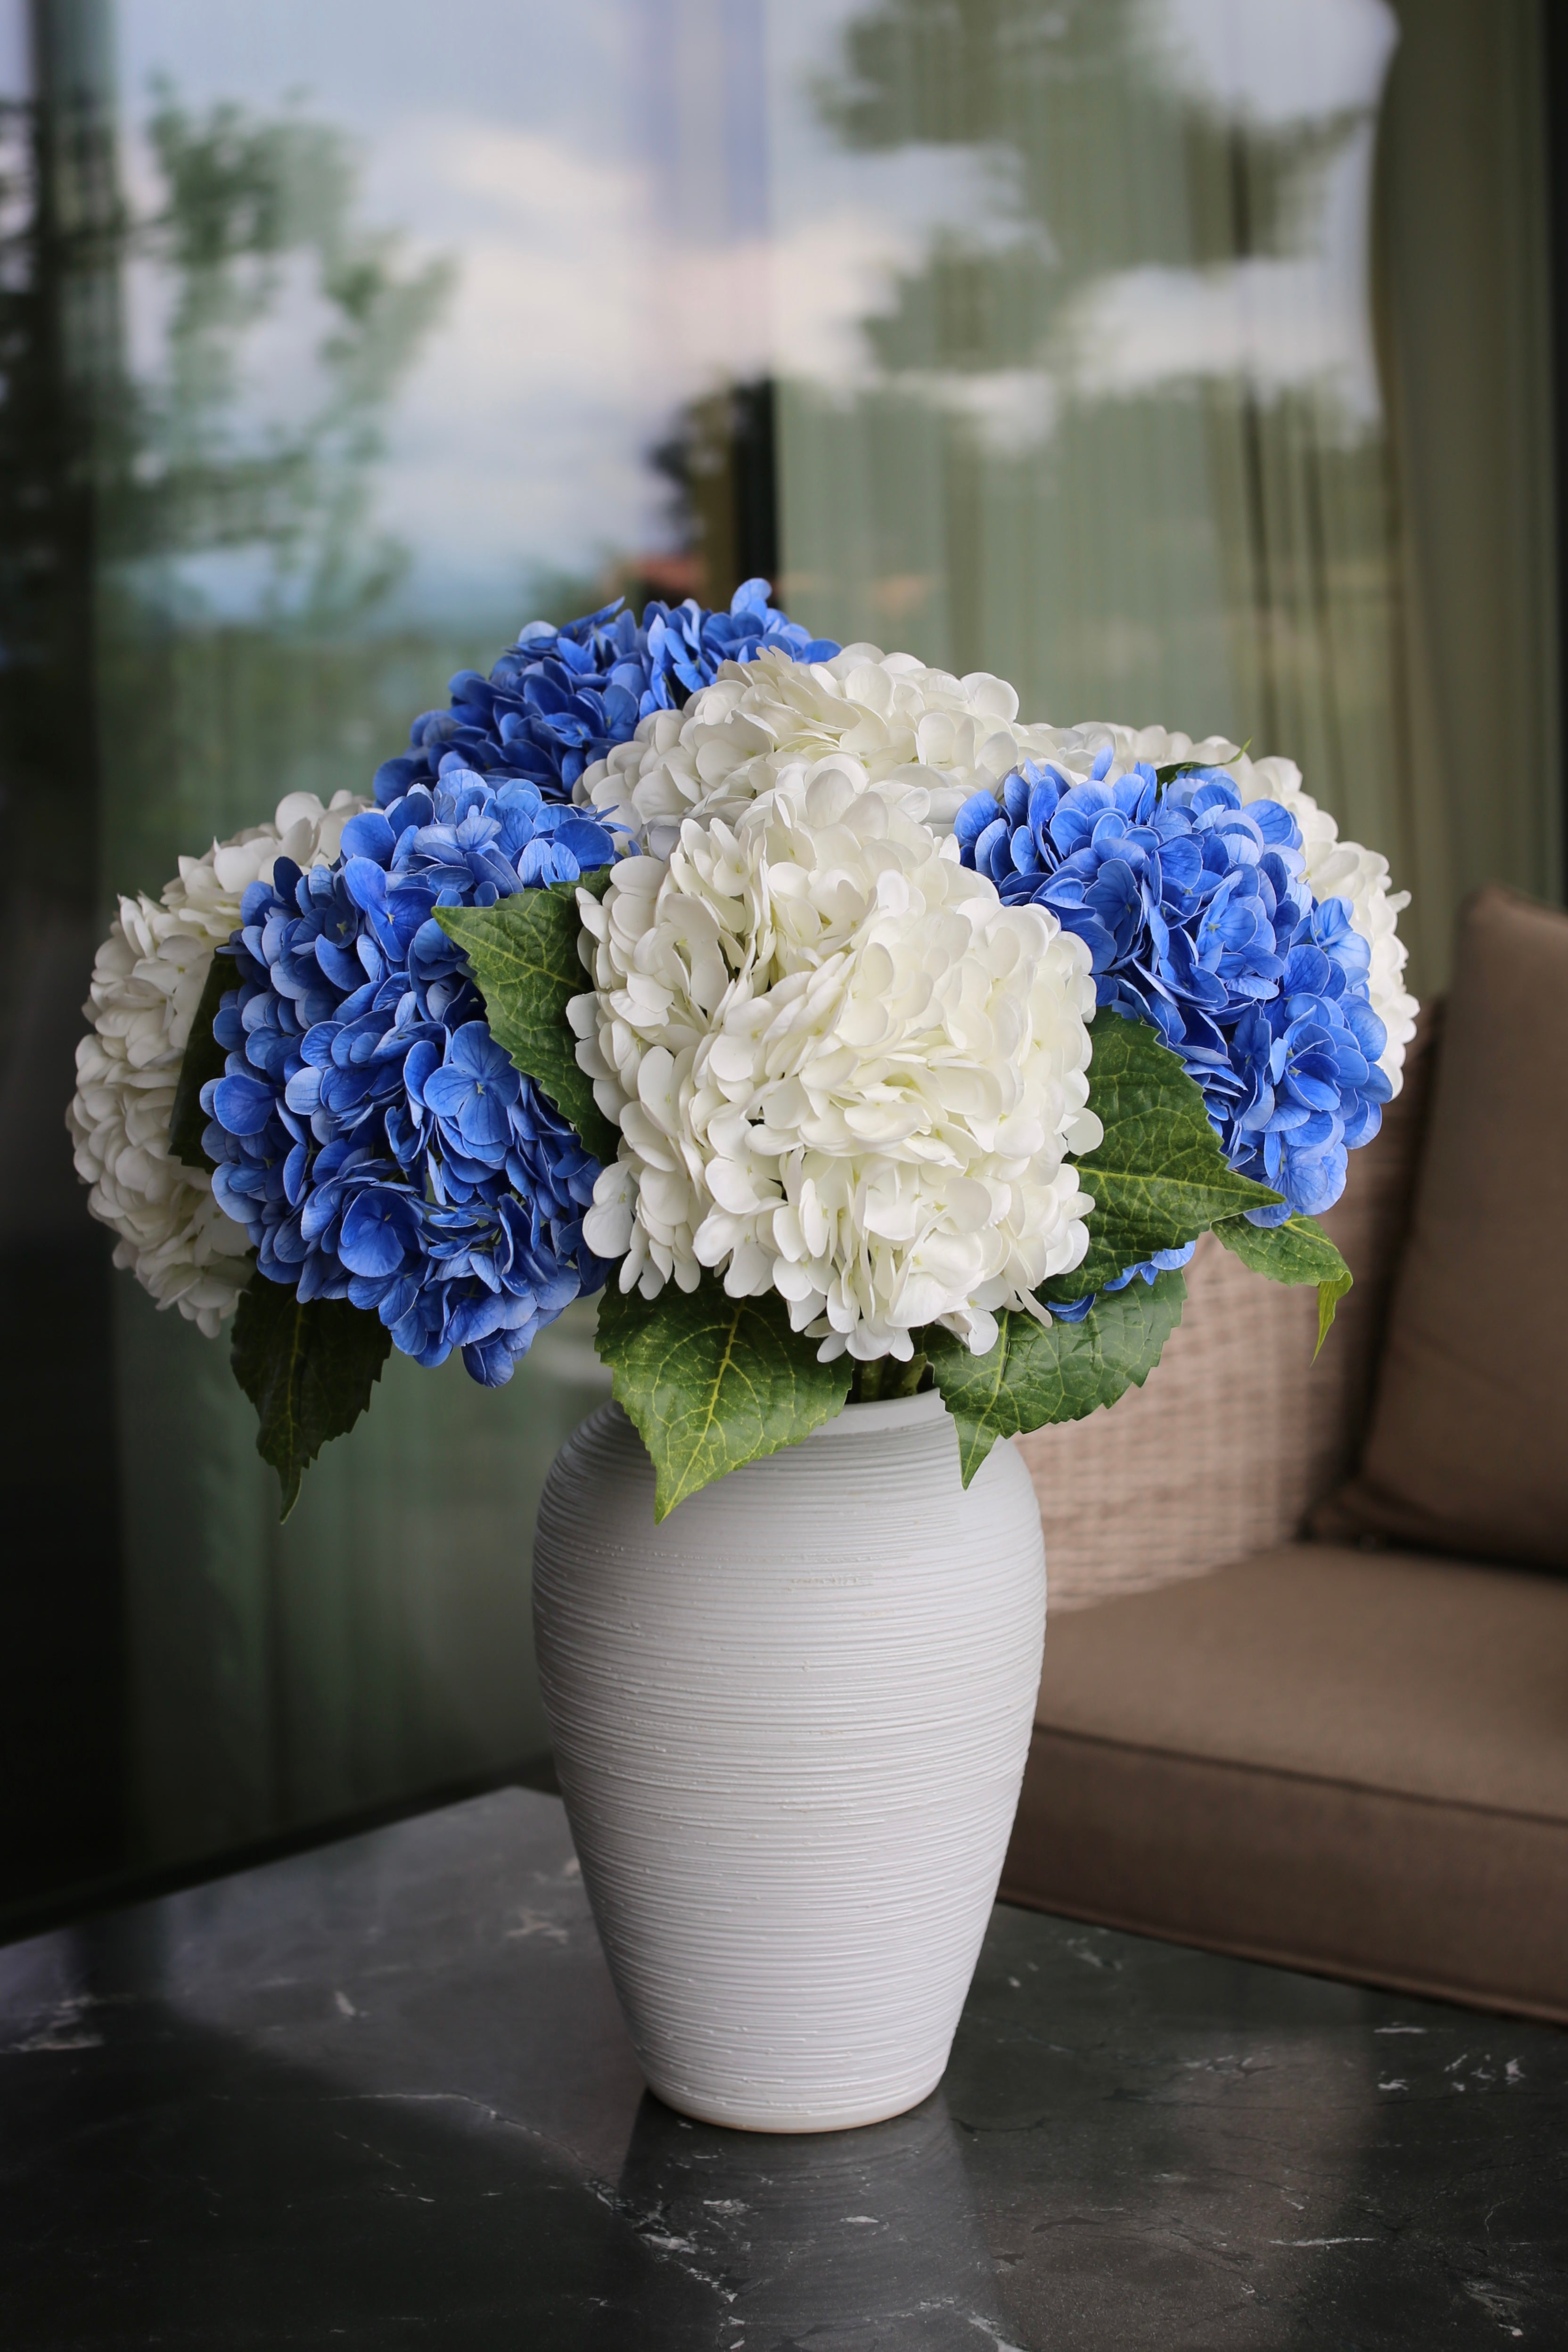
[[1351, 1762], [1467, 1450]]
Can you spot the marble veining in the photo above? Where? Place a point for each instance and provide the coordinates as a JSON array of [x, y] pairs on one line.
[[381, 2095]]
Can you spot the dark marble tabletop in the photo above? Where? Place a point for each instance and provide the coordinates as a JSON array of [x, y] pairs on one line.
[[380, 2095]]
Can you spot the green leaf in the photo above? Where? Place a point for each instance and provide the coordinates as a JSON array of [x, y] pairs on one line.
[[1036, 1374], [713, 1383], [524, 958], [309, 1371], [1159, 1179], [1297, 1251], [204, 1059], [1329, 1296]]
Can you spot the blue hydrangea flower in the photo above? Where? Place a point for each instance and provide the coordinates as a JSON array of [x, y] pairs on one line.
[[561, 699], [1198, 921], [1162, 1262], [368, 1131]]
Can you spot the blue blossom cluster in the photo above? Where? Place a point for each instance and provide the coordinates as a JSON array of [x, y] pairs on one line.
[[1198, 921], [369, 1131], [562, 697]]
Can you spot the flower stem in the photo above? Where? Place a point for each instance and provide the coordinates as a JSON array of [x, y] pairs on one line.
[[880, 1381]]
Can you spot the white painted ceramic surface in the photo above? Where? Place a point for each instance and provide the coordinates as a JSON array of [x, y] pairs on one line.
[[791, 1725]]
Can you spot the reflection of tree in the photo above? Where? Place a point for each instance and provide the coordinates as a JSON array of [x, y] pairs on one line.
[[108, 486], [237, 557], [97, 466], [251, 207], [719, 463]]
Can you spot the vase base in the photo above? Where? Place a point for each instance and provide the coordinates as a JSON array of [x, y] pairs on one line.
[[792, 2118]]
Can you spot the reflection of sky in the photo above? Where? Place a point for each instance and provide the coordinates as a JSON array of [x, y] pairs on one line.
[[604, 174], [499, 133], [599, 175]]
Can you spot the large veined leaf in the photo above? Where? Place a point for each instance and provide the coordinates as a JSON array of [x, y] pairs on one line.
[[1159, 1179], [204, 1059], [525, 960], [713, 1382], [309, 1371], [1298, 1250], [1037, 1374]]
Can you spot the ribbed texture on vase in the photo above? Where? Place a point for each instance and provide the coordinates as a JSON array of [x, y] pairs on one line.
[[789, 1726]]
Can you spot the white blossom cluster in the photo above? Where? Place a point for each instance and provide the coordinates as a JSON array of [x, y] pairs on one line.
[[842, 1070], [884, 717], [888, 719], [147, 983]]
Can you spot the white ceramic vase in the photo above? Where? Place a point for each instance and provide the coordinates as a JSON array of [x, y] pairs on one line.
[[791, 1725]]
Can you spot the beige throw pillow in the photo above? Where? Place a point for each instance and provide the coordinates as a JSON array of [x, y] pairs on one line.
[[1468, 1445]]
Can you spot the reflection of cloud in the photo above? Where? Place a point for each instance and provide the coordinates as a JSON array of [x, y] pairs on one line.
[[580, 325], [1267, 323], [1011, 410], [584, 254], [1273, 62], [1278, 324]]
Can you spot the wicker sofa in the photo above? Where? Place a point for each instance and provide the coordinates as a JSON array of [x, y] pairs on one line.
[[1347, 1756]]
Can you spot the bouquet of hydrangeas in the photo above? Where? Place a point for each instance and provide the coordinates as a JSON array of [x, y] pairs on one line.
[[848, 1033]]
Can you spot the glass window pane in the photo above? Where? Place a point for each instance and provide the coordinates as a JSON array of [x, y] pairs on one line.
[[343, 341], [1179, 360]]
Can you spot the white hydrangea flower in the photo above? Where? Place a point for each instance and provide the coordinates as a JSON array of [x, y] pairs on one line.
[[1334, 868], [878, 718], [842, 1070], [147, 983]]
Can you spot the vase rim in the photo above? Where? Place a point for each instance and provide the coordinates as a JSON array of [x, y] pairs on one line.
[[892, 1413]]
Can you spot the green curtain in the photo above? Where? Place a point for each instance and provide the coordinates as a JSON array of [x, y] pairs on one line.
[[1461, 231]]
